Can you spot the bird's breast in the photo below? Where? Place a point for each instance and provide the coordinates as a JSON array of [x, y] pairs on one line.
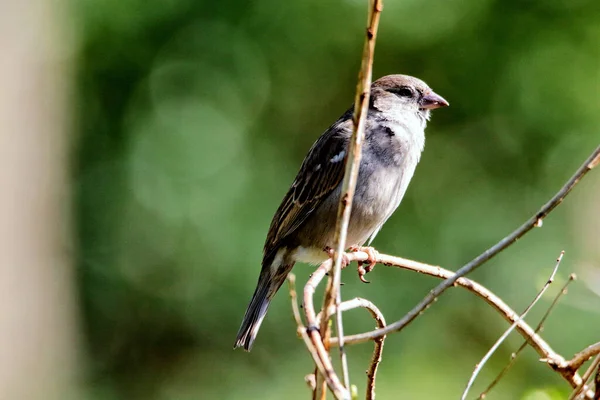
[[381, 187]]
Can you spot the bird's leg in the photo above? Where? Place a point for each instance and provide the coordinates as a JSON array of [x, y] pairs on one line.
[[363, 269], [331, 253]]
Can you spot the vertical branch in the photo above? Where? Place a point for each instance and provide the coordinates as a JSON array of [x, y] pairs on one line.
[[314, 345], [361, 106], [597, 385]]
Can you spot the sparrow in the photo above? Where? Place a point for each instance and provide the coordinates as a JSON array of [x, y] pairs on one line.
[[302, 229]]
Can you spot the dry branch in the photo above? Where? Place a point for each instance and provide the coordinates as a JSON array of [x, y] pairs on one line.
[[361, 106], [487, 356], [488, 296], [317, 339], [547, 354], [597, 384], [586, 376], [578, 359], [535, 220], [315, 348], [317, 336], [539, 328], [358, 302]]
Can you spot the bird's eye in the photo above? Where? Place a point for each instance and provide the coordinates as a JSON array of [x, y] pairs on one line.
[[402, 92]]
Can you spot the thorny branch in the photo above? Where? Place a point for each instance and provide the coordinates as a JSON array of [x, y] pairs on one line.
[[361, 106]]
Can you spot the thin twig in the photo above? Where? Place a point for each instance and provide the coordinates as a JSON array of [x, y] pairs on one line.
[[553, 359], [586, 376], [597, 385], [294, 298], [578, 359], [315, 347], [311, 320], [538, 328], [377, 351], [535, 220], [361, 107], [487, 356], [543, 348], [547, 354], [320, 389], [358, 302], [300, 328]]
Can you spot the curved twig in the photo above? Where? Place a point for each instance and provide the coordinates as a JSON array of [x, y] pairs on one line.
[[553, 359], [315, 346], [536, 220], [377, 351], [547, 354], [538, 328], [487, 356], [359, 302], [488, 296]]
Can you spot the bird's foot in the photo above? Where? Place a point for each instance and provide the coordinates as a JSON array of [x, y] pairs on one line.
[[364, 267], [331, 253]]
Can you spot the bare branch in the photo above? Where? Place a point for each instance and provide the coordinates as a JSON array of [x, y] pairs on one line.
[[578, 359], [487, 356], [535, 220], [597, 384], [309, 311], [361, 106], [539, 327], [321, 343], [489, 297], [586, 376], [548, 355], [315, 347], [378, 350]]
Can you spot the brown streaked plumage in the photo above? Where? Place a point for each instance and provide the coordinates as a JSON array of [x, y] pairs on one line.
[[304, 223]]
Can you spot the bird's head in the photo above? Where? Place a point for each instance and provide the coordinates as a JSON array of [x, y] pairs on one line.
[[402, 93]]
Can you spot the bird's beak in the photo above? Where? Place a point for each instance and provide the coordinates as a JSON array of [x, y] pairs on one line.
[[432, 101]]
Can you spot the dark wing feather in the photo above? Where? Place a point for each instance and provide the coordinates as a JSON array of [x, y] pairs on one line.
[[317, 178]]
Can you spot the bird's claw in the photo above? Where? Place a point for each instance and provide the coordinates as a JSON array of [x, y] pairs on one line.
[[364, 267], [331, 253], [362, 271]]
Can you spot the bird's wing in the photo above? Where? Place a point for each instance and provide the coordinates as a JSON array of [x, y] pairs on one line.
[[320, 173]]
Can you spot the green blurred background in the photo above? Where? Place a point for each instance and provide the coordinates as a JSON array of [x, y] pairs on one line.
[[191, 119]]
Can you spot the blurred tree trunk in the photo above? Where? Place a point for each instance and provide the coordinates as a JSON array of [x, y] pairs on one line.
[[38, 340]]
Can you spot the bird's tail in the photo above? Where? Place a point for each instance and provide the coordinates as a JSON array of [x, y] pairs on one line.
[[268, 284]]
